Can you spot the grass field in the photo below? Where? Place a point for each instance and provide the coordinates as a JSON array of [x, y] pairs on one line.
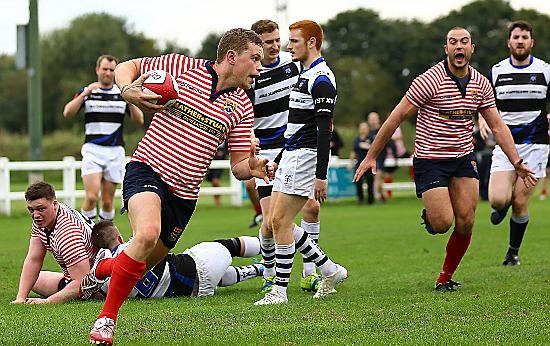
[[388, 298]]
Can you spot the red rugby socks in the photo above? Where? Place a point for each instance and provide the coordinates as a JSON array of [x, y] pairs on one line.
[[456, 248], [126, 272]]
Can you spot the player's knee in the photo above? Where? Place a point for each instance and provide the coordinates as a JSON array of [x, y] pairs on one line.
[[107, 205], [147, 236], [441, 224], [91, 197], [311, 210], [465, 223], [276, 223]]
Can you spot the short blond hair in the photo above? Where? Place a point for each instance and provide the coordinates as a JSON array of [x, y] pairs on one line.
[[237, 40]]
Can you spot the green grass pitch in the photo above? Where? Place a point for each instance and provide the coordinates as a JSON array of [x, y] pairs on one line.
[[387, 300]]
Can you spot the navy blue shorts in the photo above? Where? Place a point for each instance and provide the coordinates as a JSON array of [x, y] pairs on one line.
[[175, 212], [432, 173]]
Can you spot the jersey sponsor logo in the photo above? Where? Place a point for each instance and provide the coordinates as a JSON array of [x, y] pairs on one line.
[[229, 106], [273, 92], [197, 119], [327, 100], [261, 80], [190, 87], [457, 114]]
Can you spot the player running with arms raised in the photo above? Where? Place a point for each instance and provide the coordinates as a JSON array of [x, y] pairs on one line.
[[447, 97]]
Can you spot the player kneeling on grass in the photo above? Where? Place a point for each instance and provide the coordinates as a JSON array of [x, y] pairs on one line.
[[196, 272]]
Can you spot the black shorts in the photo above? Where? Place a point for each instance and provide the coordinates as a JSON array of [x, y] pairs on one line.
[[175, 212], [432, 173], [62, 283], [183, 273], [213, 174]]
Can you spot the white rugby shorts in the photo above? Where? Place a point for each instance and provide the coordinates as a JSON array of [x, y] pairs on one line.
[[296, 172], [212, 260], [269, 154], [103, 159], [535, 156]]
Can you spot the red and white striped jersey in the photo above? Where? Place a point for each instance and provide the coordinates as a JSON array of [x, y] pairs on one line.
[[444, 124], [181, 141], [70, 240]]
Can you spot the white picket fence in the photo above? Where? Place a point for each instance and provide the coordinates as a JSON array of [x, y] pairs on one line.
[[69, 166]]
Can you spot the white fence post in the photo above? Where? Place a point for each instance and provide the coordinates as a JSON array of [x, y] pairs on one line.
[[5, 202], [69, 180]]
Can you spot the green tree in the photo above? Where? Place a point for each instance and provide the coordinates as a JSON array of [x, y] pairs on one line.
[[209, 46], [69, 57], [13, 96], [363, 86]]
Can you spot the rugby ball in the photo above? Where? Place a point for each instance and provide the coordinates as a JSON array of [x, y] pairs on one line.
[[161, 83]]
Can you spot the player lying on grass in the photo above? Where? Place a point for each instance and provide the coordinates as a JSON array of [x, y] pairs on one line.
[[65, 233], [196, 272]]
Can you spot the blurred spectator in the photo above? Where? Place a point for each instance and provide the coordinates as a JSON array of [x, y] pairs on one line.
[[361, 146], [336, 143], [401, 152], [214, 175], [373, 120]]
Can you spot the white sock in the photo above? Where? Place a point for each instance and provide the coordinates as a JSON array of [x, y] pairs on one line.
[[268, 254], [309, 249], [237, 274], [251, 246], [106, 215], [284, 257], [312, 229], [89, 214]]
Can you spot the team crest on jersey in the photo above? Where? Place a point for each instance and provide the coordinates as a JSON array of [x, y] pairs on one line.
[[475, 95], [288, 71], [229, 106], [533, 78]]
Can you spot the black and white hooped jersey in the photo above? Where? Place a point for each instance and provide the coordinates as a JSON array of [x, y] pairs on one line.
[[521, 94], [104, 111], [313, 94], [270, 97], [172, 276]]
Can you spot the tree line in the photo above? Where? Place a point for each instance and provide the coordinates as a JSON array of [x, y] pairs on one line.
[[374, 59]]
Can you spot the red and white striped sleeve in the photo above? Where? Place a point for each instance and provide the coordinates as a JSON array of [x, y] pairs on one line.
[[174, 64], [239, 137], [71, 244], [488, 94], [421, 90]]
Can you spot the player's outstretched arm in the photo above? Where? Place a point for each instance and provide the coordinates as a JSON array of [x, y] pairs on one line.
[[504, 139], [404, 109], [31, 269], [130, 83], [69, 292]]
